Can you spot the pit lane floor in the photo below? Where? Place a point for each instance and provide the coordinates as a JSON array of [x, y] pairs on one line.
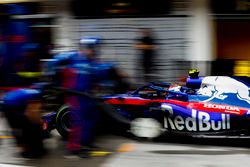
[[125, 152]]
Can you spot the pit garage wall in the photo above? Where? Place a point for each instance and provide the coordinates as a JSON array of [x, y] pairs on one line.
[[120, 36], [179, 37]]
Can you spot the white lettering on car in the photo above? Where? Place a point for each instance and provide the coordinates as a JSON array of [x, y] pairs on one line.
[[203, 119], [191, 120], [223, 107], [199, 121], [179, 123]]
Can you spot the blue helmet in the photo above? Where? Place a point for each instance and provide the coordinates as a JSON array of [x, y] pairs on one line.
[[90, 41]]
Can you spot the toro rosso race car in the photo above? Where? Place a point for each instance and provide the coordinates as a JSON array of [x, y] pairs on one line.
[[207, 106]]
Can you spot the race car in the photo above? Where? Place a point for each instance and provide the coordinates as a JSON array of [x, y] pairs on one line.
[[204, 106]]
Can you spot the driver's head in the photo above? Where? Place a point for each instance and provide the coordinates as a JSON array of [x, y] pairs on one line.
[[90, 46]]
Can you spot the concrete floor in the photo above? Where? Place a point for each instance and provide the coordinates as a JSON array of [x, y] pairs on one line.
[[125, 152]]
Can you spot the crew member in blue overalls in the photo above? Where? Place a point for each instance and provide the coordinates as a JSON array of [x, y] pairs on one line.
[[22, 110], [81, 76], [82, 72]]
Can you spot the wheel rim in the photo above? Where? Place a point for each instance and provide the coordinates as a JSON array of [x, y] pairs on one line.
[[146, 127]]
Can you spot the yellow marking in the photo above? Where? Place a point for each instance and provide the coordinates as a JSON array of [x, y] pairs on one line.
[[242, 68], [6, 137], [127, 147], [14, 1], [99, 153], [29, 74]]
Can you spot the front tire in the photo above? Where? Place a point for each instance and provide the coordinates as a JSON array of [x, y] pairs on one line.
[[63, 121]]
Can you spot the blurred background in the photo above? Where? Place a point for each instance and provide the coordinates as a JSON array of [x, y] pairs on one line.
[[211, 35]]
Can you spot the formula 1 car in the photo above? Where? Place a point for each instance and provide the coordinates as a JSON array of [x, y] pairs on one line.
[[205, 106]]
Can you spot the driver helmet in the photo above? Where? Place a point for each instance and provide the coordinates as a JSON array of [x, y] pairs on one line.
[[194, 73]]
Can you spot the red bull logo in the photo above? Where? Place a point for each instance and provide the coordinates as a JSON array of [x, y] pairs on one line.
[[220, 86], [199, 121]]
